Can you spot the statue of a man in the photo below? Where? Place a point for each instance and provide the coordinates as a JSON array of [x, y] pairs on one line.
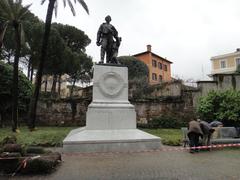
[[105, 37]]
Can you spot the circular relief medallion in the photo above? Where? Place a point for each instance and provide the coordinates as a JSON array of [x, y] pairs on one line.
[[111, 84]]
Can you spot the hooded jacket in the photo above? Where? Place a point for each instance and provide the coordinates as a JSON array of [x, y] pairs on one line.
[[194, 127]]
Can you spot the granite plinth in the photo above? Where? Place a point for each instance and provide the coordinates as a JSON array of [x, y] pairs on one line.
[[90, 141], [111, 116]]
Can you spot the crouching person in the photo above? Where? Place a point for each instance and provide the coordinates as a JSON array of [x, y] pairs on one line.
[[207, 132], [194, 133]]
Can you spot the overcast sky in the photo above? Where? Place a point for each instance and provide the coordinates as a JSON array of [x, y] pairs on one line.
[[186, 32]]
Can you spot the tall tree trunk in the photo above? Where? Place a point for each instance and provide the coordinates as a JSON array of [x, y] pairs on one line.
[[31, 73], [1, 120], [15, 79], [29, 68], [2, 33], [34, 100], [46, 83], [9, 58], [71, 92], [53, 90], [59, 84]]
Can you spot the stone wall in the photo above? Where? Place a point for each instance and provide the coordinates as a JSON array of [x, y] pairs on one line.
[[73, 112], [220, 82], [147, 110], [64, 112], [171, 98], [167, 89]]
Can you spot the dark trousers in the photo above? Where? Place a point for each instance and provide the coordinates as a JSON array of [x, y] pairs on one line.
[[194, 139]]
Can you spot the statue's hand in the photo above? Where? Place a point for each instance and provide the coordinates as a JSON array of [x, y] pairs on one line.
[[98, 43]]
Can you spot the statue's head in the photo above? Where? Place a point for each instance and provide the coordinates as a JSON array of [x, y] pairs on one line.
[[108, 19]]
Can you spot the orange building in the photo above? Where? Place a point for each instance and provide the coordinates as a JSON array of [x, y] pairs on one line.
[[159, 68]]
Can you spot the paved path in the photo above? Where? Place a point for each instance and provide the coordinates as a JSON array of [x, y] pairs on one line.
[[214, 165]]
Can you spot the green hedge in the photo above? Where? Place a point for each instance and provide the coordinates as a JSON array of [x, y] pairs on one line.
[[222, 106], [168, 121]]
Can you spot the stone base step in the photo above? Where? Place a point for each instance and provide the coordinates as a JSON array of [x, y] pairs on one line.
[[82, 140]]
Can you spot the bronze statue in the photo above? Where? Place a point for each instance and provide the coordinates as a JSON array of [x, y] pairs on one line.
[[107, 38]]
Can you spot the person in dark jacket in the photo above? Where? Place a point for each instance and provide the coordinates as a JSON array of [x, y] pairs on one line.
[[194, 133], [207, 132]]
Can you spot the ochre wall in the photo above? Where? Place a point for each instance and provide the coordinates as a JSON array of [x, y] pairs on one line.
[[147, 59], [230, 62]]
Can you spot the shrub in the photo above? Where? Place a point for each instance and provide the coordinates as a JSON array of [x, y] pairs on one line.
[[9, 140], [42, 165], [13, 148], [25, 90], [168, 121], [222, 106], [35, 150]]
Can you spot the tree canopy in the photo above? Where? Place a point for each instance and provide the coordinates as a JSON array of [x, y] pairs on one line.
[[25, 89], [136, 68], [137, 75], [12, 12], [74, 38]]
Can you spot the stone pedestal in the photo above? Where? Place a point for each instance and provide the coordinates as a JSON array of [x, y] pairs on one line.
[[111, 119]]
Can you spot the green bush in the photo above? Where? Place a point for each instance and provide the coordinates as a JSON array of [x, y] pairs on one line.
[[25, 90], [42, 165], [35, 150], [222, 106], [168, 121], [8, 140]]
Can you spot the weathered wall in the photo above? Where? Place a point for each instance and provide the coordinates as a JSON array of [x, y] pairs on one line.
[[167, 89], [172, 98], [73, 112], [63, 112], [147, 110], [66, 113], [221, 82]]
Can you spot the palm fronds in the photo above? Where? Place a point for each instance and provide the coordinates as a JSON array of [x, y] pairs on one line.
[[70, 4]]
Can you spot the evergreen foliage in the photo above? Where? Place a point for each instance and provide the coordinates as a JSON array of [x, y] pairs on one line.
[[136, 68], [223, 106], [25, 89]]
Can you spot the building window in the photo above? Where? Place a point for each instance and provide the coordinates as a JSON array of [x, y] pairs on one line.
[[154, 76], [154, 63], [165, 67], [159, 65], [160, 78], [223, 64]]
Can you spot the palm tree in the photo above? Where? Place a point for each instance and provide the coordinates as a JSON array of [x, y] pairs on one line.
[[13, 12], [53, 4], [2, 33]]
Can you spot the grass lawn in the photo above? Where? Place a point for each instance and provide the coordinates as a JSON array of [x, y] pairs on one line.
[[43, 136], [171, 137], [53, 136]]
